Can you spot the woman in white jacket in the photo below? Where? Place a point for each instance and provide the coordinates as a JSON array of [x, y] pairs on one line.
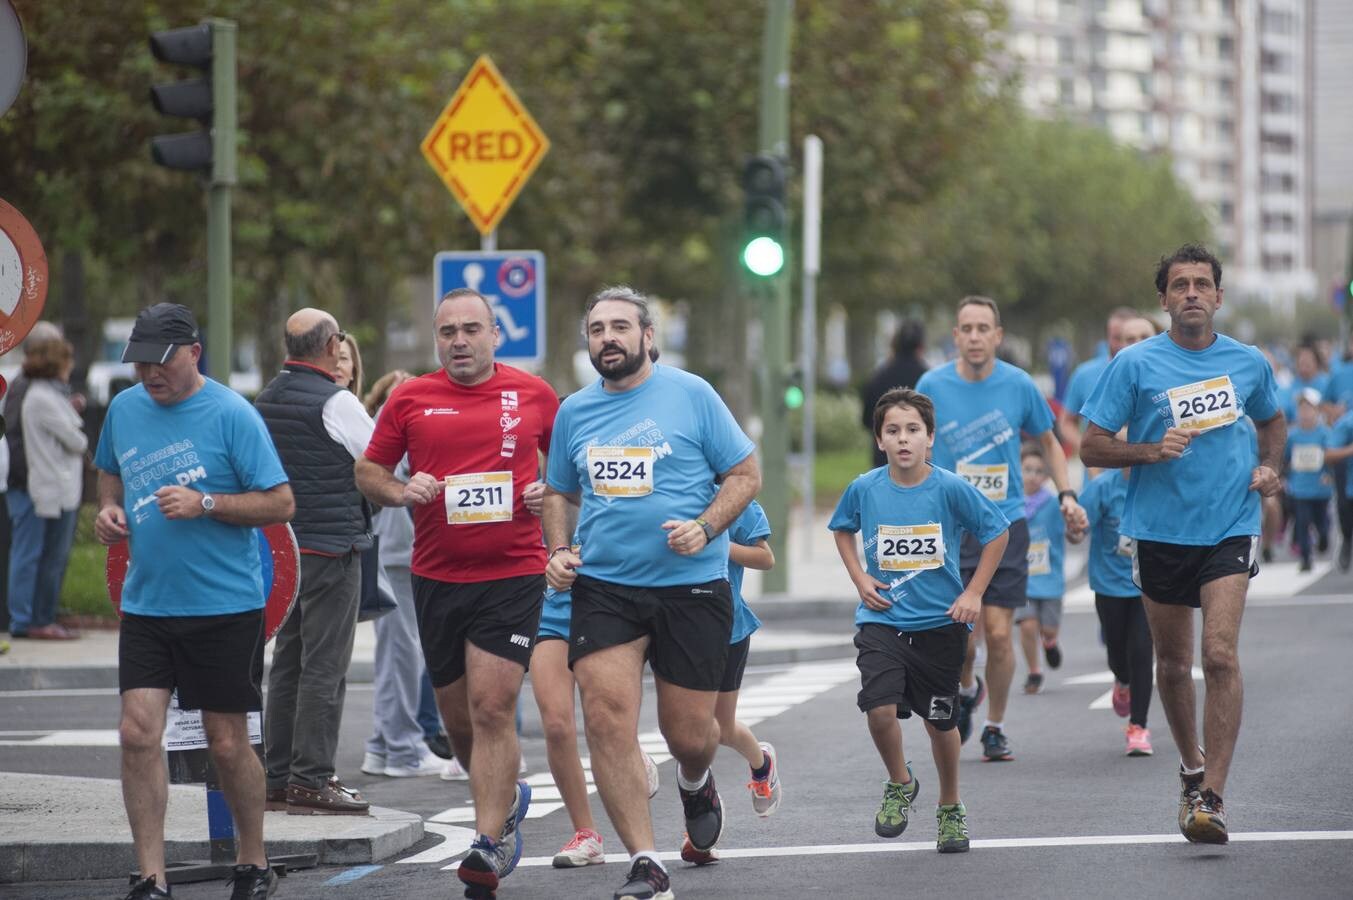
[[55, 442]]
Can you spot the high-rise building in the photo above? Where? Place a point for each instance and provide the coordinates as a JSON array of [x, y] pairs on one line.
[[1223, 85], [1333, 126]]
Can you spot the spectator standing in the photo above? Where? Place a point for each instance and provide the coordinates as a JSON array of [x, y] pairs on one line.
[[903, 369]]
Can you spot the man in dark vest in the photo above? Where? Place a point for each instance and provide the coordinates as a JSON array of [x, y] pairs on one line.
[[319, 429]]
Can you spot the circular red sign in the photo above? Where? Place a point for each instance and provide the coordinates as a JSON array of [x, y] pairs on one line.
[[279, 554], [23, 277]]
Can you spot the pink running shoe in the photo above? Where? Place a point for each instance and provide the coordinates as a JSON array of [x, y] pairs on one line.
[[1122, 699], [1138, 741]]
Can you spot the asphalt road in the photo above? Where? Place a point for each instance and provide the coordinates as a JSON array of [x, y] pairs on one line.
[[1070, 816]]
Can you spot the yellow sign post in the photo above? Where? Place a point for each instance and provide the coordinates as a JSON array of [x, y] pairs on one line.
[[485, 145]]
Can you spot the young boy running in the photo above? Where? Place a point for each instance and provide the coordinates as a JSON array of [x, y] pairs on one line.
[[914, 613], [1308, 484], [1040, 619], [747, 548]]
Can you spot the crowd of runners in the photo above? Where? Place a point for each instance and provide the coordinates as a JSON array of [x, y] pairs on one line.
[[590, 537]]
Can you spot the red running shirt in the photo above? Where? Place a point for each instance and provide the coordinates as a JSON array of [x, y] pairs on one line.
[[487, 437]]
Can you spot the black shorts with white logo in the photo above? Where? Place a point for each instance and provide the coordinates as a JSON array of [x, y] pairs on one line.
[[1175, 573], [735, 665], [215, 662], [917, 670], [1010, 583], [689, 627], [499, 617]]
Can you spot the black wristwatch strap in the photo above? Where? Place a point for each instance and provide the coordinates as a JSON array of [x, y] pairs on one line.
[[708, 529], [1062, 495]]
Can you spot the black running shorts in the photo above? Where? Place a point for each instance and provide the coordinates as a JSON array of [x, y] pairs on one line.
[[1176, 573], [499, 617], [215, 662], [689, 627], [735, 665], [917, 670], [1009, 584]]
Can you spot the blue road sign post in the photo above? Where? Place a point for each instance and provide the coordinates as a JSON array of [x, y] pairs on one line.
[[513, 281]]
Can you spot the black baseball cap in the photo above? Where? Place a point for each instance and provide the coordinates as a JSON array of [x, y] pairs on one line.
[[158, 330]]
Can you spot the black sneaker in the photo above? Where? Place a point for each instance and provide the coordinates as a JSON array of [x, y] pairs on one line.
[[646, 881], [440, 745], [1322, 544], [252, 883], [995, 747], [966, 705], [704, 814], [1345, 554], [1053, 654], [147, 889]]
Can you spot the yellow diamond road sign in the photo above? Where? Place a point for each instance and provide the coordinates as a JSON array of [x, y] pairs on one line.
[[485, 145]]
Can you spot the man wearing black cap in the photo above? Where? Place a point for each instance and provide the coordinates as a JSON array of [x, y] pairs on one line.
[[320, 430], [187, 472]]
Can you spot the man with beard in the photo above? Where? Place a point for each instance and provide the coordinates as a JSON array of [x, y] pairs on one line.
[[473, 431], [639, 450]]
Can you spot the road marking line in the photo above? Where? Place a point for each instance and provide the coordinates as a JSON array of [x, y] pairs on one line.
[[980, 844], [457, 840], [353, 874]]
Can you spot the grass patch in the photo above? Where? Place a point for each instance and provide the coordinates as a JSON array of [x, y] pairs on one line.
[[833, 471], [85, 590]]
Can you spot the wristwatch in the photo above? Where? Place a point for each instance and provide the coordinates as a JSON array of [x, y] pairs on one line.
[[708, 529], [208, 503], [1062, 495]]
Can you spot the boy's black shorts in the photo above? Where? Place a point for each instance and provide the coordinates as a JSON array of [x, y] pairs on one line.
[[215, 662], [917, 670]]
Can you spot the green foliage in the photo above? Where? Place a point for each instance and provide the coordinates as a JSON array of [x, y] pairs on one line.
[[836, 425]]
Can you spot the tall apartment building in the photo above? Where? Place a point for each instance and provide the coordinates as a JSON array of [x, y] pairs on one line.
[[1223, 85], [1333, 123]]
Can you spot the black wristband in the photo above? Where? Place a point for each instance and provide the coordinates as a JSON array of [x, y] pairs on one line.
[[1062, 495], [708, 529], [557, 549]]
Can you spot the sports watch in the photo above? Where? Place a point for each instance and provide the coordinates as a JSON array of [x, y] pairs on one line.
[[208, 503], [708, 529]]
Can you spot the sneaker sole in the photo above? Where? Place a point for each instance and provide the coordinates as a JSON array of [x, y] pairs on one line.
[[660, 895], [954, 847], [1140, 752], [885, 831], [564, 861], [1204, 832], [698, 857], [1007, 757]]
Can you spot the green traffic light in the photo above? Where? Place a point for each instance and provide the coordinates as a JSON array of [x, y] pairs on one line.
[[793, 397], [763, 256]]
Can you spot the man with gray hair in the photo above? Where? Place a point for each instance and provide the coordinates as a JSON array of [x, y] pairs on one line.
[[319, 429], [640, 450]]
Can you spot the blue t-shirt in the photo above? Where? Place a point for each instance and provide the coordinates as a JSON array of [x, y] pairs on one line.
[[1287, 396], [1203, 497], [1082, 381], [1110, 552], [747, 529], [1341, 435], [918, 530], [555, 612], [1047, 545], [1339, 385], [639, 458], [1305, 458], [978, 425], [215, 442]]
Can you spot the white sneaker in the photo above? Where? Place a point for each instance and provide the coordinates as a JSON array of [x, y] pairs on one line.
[[651, 770], [373, 764], [584, 850], [766, 794], [453, 771], [428, 764]]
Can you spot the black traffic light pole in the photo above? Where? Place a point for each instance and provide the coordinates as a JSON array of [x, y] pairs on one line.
[[211, 100]]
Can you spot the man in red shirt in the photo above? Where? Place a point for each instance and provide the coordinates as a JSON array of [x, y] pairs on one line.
[[473, 431]]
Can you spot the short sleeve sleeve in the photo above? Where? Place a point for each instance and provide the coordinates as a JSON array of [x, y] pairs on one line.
[[979, 516], [257, 465], [847, 514], [561, 474], [1110, 402], [389, 441], [1262, 404]]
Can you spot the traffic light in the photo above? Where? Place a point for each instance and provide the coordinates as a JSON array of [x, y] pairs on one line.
[[794, 389], [763, 181], [209, 46]]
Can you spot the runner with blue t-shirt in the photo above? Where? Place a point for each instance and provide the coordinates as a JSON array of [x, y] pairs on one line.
[[1084, 376], [1339, 458], [915, 612], [982, 404], [1040, 618], [187, 472], [639, 450], [1118, 603], [1192, 506], [747, 548], [1308, 483]]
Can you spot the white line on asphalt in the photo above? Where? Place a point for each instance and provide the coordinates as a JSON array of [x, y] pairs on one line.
[[1092, 840], [1106, 677], [70, 738]]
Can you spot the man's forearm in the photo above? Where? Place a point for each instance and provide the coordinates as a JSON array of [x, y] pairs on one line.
[[255, 508], [378, 483], [740, 486], [1272, 442], [1102, 450], [554, 520], [110, 489], [1052, 449]]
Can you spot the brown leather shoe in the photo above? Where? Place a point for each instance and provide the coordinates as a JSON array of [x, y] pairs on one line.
[[275, 800], [333, 799]]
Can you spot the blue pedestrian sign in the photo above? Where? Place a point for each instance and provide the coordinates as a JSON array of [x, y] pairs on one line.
[[513, 281]]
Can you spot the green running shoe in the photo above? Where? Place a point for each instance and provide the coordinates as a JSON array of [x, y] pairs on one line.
[[953, 821], [897, 799]]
